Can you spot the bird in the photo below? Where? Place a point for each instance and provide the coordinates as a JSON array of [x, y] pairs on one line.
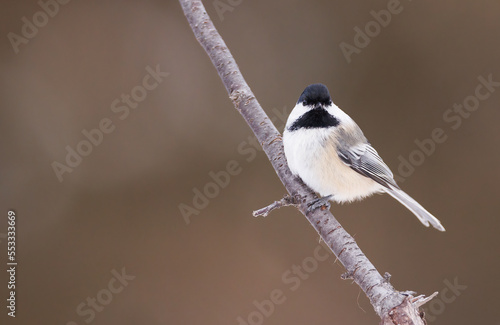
[[329, 152]]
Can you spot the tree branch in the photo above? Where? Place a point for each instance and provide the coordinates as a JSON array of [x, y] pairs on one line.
[[386, 301]]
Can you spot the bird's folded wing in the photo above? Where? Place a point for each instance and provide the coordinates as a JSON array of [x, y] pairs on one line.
[[364, 159]]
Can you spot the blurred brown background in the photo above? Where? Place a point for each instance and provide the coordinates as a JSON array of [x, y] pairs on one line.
[[119, 208]]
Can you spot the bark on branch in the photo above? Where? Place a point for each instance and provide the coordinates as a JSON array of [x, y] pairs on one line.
[[391, 305]]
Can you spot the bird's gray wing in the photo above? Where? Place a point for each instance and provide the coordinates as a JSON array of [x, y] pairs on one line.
[[364, 159]]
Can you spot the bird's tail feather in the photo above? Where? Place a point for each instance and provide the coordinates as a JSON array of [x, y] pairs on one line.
[[423, 215]]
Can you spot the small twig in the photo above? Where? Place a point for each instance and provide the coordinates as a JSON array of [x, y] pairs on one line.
[[287, 200], [421, 300], [347, 275]]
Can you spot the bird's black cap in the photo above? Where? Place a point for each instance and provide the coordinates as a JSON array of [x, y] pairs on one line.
[[315, 94]]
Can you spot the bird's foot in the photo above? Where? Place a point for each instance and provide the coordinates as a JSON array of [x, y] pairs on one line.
[[320, 203]]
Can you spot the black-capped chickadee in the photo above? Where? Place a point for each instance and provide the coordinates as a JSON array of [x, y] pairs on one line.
[[329, 152]]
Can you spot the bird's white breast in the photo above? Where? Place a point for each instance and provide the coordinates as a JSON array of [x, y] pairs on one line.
[[312, 155]]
